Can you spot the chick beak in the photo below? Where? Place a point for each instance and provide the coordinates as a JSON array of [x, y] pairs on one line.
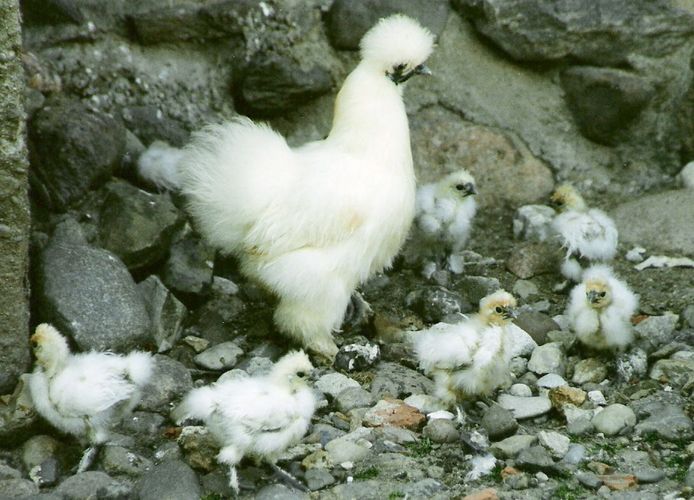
[[423, 69], [313, 375], [470, 189], [34, 341], [593, 297], [510, 313]]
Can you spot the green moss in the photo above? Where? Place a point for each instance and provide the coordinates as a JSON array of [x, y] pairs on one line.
[[396, 494], [421, 448], [565, 492], [366, 474]]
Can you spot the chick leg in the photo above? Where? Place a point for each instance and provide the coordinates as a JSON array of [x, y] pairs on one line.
[[231, 456], [358, 311], [288, 478], [88, 458]]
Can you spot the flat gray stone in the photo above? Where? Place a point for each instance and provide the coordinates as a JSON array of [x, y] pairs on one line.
[[499, 422], [170, 379], [173, 480], [334, 383], [353, 397], [589, 370], [441, 431], [166, 312], [395, 380], [668, 422], [534, 459], [525, 407], [93, 484], [512, 446], [614, 419], [548, 358], [219, 357]]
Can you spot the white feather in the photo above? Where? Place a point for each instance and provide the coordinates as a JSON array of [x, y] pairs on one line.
[[256, 416], [159, 165], [482, 465], [312, 223], [602, 328], [85, 394]]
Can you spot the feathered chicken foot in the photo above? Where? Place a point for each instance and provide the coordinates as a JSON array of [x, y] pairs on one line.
[[88, 458], [358, 311]]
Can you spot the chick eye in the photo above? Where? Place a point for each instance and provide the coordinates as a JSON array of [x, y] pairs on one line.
[[301, 374], [498, 309], [460, 187], [601, 294], [399, 67]]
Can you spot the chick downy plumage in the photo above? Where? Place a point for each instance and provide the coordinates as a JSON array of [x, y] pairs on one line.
[[85, 394], [587, 233], [600, 310], [444, 213], [255, 416], [469, 358], [312, 223]]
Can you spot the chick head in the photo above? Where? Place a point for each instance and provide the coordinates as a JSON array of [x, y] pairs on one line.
[[398, 46], [566, 197], [294, 367], [598, 293], [458, 184], [50, 347], [498, 308]]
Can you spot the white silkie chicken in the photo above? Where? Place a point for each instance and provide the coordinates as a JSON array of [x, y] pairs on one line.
[[587, 233], [85, 394], [470, 358], [444, 213], [255, 416], [600, 310], [312, 223]]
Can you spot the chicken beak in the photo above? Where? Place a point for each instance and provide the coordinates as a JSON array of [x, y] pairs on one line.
[[423, 69], [593, 297], [313, 375], [510, 313], [470, 189]]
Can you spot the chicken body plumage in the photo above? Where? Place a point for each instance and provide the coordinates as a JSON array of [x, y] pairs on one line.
[[85, 394], [255, 416], [469, 358], [311, 223], [587, 233], [444, 214], [600, 310]]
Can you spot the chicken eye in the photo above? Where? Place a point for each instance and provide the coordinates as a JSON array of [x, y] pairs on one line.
[[460, 187], [601, 294], [498, 309], [399, 67], [301, 374]]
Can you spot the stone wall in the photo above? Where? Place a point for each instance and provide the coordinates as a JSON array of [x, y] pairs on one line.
[[14, 203]]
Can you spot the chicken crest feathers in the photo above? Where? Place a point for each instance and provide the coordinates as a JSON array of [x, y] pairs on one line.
[[397, 39]]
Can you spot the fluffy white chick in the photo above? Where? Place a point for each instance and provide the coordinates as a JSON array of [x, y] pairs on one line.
[[444, 213], [159, 164], [255, 416], [587, 233], [469, 358], [600, 310], [85, 394], [312, 223]]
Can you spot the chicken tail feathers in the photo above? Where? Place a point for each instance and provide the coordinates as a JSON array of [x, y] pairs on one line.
[[139, 367], [159, 165], [198, 404]]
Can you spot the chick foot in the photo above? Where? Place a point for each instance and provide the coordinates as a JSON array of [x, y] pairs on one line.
[[287, 478], [358, 312], [88, 458]]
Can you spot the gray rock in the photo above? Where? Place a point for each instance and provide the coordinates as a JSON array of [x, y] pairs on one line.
[[46, 473], [73, 149], [663, 221], [575, 455], [534, 459], [149, 123], [188, 270], [668, 422], [425, 403], [93, 484], [392, 379], [219, 357], [614, 419], [357, 357], [353, 397], [533, 222], [512, 446], [166, 312], [334, 383], [318, 478], [425, 488], [689, 478], [170, 380], [475, 288], [589, 480], [688, 313], [521, 390], [499, 422], [531, 259], [43, 12], [279, 492], [524, 289], [578, 421], [551, 380], [441, 431], [117, 460], [556, 443], [89, 295], [604, 101], [136, 225], [348, 21], [38, 449], [346, 449], [18, 416], [632, 365], [434, 303], [589, 370], [522, 344], [524, 407], [605, 33], [398, 466], [146, 426], [548, 358], [7, 472], [274, 84], [199, 446], [676, 372], [172, 480], [649, 474], [537, 324], [17, 488]]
